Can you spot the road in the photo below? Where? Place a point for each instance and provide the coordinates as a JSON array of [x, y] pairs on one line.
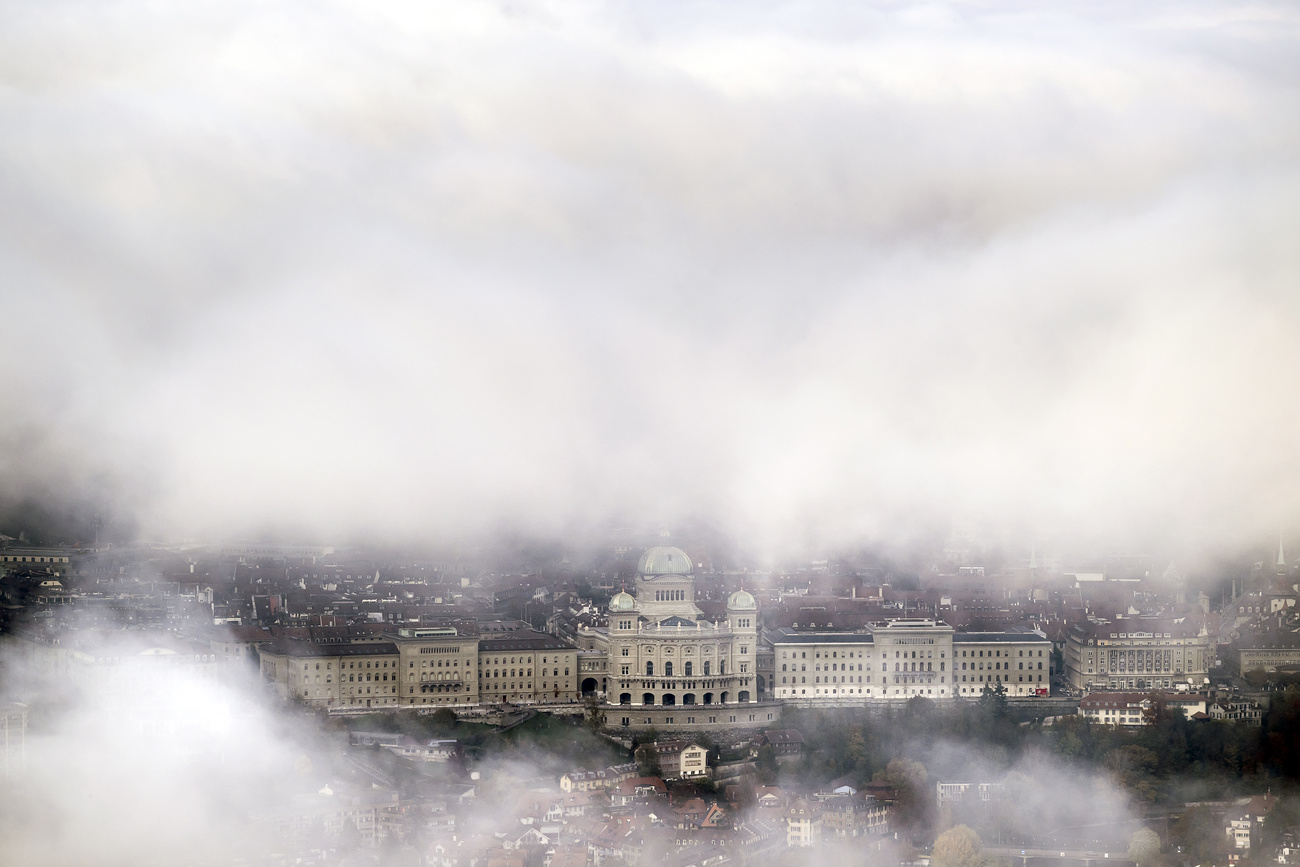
[[1090, 856]]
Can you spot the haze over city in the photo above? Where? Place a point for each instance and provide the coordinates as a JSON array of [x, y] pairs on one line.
[[625, 434]]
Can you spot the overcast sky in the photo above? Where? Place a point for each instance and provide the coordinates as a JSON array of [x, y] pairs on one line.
[[812, 270]]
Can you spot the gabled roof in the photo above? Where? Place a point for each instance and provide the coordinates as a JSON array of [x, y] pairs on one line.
[[783, 736]]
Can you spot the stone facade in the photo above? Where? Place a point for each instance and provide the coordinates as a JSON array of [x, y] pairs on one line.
[[661, 652], [1138, 653], [426, 668], [905, 658]]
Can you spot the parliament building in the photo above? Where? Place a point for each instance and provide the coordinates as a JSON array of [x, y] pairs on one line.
[[667, 664]]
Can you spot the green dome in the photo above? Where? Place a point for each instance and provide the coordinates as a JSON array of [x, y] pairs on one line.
[[741, 599], [622, 602], [664, 561]]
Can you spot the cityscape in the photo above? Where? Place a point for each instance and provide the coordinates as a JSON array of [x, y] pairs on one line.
[[625, 705], [649, 434]]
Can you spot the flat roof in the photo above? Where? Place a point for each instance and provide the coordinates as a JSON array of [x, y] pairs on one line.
[[975, 637], [790, 636], [528, 641], [310, 648]]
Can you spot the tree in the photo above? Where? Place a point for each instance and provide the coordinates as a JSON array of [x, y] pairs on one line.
[[594, 712], [1144, 847], [912, 807], [959, 846], [1134, 768], [1200, 836], [993, 700], [1157, 709], [443, 718], [856, 751], [766, 766], [647, 761], [918, 709]]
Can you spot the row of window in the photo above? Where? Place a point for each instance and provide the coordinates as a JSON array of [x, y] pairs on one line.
[[668, 651], [688, 669], [329, 666], [925, 654]]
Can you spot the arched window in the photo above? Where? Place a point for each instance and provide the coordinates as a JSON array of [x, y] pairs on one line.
[[668, 669], [650, 671], [689, 669], [706, 668]]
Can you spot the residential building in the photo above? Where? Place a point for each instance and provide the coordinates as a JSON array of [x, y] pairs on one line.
[[681, 759], [803, 824], [1236, 710], [1130, 708], [784, 742]]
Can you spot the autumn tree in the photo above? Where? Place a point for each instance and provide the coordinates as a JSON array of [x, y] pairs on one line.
[[1144, 847], [959, 846]]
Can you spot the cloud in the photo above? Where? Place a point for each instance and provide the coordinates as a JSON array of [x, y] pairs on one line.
[[819, 271]]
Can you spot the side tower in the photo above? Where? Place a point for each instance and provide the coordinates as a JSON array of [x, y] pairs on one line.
[[742, 620]]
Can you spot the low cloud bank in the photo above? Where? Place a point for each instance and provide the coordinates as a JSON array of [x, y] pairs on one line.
[[824, 273]]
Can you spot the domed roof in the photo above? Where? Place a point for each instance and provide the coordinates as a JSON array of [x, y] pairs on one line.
[[664, 561], [622, 602], [741, 599]]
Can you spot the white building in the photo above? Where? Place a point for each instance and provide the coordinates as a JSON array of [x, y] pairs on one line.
[[905, 658], [663, 653]]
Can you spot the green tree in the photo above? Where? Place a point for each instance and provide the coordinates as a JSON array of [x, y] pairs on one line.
[[443, 718], [766, 766], [593, 712], [1198, 832], [908, 778], [1144, 847], [993, 700], [959, 846], [855, 751], [647, 761], [1134, 767]]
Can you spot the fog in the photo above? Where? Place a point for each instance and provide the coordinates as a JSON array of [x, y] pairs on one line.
[[147, 763], [819, 272], [146, 759]]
